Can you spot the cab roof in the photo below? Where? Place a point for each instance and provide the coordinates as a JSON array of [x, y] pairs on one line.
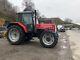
[[24, 12]]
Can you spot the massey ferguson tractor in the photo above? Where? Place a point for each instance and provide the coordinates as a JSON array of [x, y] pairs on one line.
[[28, 26]]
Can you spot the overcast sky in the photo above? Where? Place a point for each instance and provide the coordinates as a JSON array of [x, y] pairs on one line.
[[56, 8]]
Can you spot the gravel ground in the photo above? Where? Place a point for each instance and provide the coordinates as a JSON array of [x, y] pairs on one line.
[[33, 50], [74, 37]]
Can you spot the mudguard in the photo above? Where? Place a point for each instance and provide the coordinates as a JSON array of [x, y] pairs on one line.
[[24, 28]]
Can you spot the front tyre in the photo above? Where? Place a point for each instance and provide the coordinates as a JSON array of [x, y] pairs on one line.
[[15, 35], [48, 39]]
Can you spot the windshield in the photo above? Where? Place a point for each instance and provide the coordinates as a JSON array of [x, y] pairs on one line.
[[27, 18]]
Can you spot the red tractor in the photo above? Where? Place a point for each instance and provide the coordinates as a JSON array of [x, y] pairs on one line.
[[27, 26]]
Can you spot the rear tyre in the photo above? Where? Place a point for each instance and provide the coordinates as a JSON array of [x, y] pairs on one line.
[[48, 39], [15, 35]]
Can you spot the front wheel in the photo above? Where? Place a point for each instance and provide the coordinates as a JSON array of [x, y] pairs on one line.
[[48, 39]]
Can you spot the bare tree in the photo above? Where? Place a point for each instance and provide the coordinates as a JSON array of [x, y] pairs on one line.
[[6, 9], [68, 20], [29, 5]]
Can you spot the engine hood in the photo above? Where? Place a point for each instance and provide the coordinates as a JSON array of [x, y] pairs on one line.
[[46, 26]]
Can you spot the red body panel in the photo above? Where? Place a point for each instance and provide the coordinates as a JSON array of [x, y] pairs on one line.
[[46, 26], [22, 26]]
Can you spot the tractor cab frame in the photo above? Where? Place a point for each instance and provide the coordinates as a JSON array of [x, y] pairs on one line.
[[28, 18]]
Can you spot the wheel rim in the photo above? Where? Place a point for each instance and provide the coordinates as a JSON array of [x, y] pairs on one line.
[[48, 39], [14, 35]]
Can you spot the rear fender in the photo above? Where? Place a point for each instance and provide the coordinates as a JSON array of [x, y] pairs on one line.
[[24, 28]]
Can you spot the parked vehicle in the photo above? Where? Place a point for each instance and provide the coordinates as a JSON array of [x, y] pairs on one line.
[[61, 28], [27, 26]]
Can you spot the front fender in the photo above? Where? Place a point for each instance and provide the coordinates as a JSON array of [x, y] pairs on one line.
[[24, 28]]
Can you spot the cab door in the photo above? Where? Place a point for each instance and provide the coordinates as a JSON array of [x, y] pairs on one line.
[[28, 21]]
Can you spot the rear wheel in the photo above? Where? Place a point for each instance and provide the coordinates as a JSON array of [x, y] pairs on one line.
[[48, 40], [15, 35]]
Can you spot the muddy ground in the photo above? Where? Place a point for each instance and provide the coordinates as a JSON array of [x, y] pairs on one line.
[[74, 38], [33, 50]]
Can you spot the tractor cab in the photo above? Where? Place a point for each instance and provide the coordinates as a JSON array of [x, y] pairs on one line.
[[28, 18]]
